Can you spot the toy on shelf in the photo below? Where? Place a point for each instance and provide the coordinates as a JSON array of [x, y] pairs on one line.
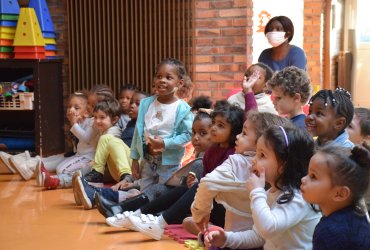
[[9, 12], [15, 96]]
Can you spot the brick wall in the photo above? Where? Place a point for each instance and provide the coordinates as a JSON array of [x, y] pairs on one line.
[[222, 45], [313, 39]]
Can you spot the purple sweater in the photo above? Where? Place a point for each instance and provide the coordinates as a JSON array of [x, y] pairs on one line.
[[214, 156]]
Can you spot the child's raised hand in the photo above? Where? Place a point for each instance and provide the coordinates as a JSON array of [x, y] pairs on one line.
[[248, 83], [202, 225], [72, 117], [135, 169], [191, 179], [215, 238], [256, 180], [156, 143]]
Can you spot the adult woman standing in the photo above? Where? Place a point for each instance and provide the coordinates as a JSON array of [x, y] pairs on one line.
[[279, 32]]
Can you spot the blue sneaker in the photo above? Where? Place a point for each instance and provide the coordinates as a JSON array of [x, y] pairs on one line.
[[86, 192]]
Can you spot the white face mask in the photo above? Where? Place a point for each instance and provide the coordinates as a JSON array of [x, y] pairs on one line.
[[276, 38]]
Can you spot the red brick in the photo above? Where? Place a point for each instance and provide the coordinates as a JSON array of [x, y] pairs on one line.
[[242, 3], [234, 50], [207, 68], [206, 50], [202, 59], [240, 58], [234, 31], [221, 4], [207, 32], [223, 41], [203, 41], [233, 12], [202, 5], [239, 22], [206, 13], [229, 68], [202, 76], [222, 77], [201, 23], [223, 59]]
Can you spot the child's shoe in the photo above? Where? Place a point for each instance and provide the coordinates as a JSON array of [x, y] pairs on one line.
[[50, 182], [94, 176], [4, 160], [75, 177], [148, 224], [40, 168], [25, 167], [121, 220], [86, 193]]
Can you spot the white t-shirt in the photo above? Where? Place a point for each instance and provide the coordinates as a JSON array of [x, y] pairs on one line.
[[160, 119]]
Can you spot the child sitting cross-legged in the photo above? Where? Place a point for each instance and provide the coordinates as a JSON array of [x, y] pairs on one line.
[[337, 180], [291, 90]]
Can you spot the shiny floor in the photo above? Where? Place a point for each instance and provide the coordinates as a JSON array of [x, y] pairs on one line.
[[33, 218]]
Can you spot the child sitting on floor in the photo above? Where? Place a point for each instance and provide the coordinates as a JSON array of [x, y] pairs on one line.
[[337, 181], [291, 90]]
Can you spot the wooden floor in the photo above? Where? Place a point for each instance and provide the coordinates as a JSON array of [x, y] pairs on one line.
[[33, 218]]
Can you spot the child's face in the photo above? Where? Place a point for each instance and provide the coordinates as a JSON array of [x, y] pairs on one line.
[[201, 137], [354, 131], [265, 158], [260, 85], [102, 121], [78, 106], [321, 121], [221, 131], [284, 104], [167, 80], [246, 140], [317, 185], [124, 100], [134, 105]]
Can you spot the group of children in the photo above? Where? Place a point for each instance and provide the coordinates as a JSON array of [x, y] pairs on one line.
[[293, 181]]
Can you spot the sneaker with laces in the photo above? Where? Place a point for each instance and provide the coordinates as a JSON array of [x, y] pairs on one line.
[[25, 167], [94, 176], [121, 220], [147, 224], [86, 193], [50, 182], [40, 168], [75, 177]]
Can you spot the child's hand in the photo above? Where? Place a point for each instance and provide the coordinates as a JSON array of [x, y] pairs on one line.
[[215, 238], [156, 143], [256, 180], [135, 169], [122, 185], [248, 83], [191, 179], [72, 117]]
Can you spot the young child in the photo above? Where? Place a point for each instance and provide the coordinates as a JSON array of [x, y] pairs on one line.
[[329, 115], [282, 218], [110, 150], [257, 75], [87, 135], [180, 180], [291, 90], [163, 126], [226, 183], [359, 128], [336, 181], [175, 205]]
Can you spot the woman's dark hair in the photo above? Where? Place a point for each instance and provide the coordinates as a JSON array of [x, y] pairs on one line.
[[340, 101], [349, 168], [233, 115], [111, 107], [285, 22], [293, 149], [363, 115], [201, 101]]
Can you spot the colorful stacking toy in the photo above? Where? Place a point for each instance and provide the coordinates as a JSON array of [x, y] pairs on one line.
[[9, 11], [46, 25], [28, 41]]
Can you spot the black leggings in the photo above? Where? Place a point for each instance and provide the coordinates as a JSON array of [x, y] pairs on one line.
[[176, 206]]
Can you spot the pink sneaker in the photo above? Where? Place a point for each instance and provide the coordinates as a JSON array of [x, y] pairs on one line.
[[40, 168], [50, 182]]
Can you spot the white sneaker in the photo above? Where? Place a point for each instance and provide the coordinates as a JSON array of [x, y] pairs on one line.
[[24, 166], [121, 220], [38, 175], [148, 225], [4, 160]]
